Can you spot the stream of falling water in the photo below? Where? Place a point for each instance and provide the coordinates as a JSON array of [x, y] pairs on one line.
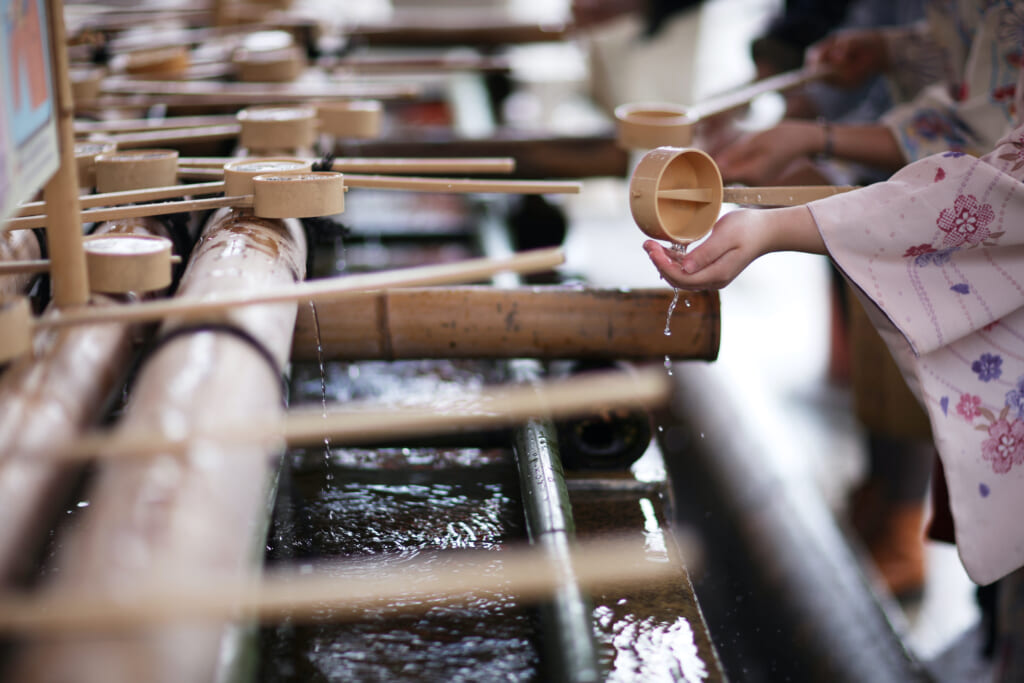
[[681, 248], [323, 381]]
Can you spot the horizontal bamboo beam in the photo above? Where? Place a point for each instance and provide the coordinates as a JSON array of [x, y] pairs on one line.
[[90, 201], [174, 136], [537, 156], [82, 127], [327, 289], [528, 322], [359, 422], [459, 185], [255, 93], [388, 164], [527, 573], [378, 182]]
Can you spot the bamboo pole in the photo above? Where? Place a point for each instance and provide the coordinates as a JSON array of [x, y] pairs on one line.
[[199, 516], [64, 232], [134, 211], [377, 182], [525, 322], [783, 195], [129, 196], [198, 92], [315, 594], [46, 400], [175, 136], [740, 97], [380, 182], [327, 289], [166, 123], [389, 164], [357, 422]]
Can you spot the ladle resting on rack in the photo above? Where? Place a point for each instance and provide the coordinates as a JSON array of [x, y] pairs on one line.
[[676, 194], [653, 124]]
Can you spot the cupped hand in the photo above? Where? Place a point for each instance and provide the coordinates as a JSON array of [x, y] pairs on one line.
[[735, 241]]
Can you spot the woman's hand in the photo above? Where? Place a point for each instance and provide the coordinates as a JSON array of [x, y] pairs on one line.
[[737, 239]]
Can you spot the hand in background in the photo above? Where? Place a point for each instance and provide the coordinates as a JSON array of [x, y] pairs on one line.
[[763, 157], [586, 13], [854, 56]]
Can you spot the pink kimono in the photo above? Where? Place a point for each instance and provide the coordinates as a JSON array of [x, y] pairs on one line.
[[939, 252]]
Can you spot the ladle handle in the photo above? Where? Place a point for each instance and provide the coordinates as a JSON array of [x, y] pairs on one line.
[[742, 96], [381, 182], [134, 211], [783, 195]]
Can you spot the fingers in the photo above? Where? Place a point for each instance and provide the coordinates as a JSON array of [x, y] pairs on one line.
[[696, 271]]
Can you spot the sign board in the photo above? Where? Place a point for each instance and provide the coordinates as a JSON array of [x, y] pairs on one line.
[[28, 129]]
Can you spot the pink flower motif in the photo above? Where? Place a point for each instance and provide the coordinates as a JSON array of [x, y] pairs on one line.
[[966, 222], [1004, 93], [913, 252], [969, 406], [1005, 446]]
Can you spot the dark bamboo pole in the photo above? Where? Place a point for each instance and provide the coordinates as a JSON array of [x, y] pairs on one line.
[[544, 322]]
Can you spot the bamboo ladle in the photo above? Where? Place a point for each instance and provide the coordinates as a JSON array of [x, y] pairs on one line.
[[17, 324], [676, 194], [117, 263], [656, 124]]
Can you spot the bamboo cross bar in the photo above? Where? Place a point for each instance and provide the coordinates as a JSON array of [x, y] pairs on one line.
[[407, 183], [327, 289], [166, 123], [381, 182], [130, 196], [157, 138], [728, 101], [782, 195], [194, 92], [500, 406], [336, 591], [388, 164], [455, 62], [137, 210]]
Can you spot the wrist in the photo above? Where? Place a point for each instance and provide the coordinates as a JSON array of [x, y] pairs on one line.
[[826, 136]]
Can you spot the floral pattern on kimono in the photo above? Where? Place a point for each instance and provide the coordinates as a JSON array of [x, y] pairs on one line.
[[938, 250], [969, 105]]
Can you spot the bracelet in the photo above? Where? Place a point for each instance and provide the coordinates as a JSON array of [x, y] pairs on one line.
[[829, 147]]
